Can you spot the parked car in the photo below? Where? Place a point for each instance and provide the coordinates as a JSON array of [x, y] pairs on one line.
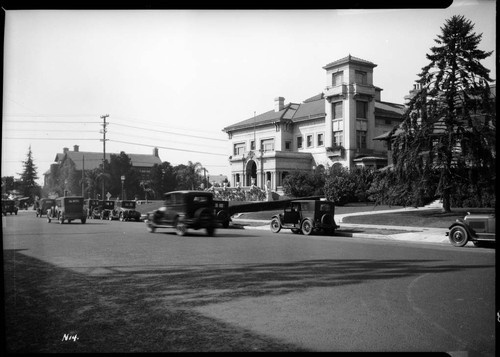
[[476, 227], [44, 204], [68, 208], [107, 208], [125, 211], [183, 210], [9, 206], [93, 207], [306, 216], [221, 212]]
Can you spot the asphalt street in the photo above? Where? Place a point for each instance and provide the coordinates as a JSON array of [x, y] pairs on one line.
[[313, 293]]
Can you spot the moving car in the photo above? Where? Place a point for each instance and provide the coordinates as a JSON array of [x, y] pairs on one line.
[[93, 207], [183, 210], [43, 205], [306, 216], [477, 227], [68, 208], [125, 211], [107, 208], [221, 211], [9, 206]]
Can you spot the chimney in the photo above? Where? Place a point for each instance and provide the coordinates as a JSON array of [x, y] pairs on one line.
[[65, 150], [75, 148], [155, 152], [279, 104]]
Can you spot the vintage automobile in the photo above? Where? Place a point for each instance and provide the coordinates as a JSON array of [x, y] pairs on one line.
[[183, 210], [68, 208], [9, 206], [221, 212], [107, 208], [125, 211], [306, 216], [43, 205], [476, 227], [93, 207]]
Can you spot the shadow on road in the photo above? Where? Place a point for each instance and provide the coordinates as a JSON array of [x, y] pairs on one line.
[[149, 308]]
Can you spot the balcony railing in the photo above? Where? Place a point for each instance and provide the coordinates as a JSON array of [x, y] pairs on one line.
[[340, 90], [364, 89]]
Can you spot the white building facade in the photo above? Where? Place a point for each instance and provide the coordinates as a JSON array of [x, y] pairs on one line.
[[336, 126]]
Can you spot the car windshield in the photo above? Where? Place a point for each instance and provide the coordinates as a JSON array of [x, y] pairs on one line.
[[128, 204], [200, 199], [108, 204]]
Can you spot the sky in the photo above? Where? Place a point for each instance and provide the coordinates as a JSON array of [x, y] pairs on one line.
[[175, 79]]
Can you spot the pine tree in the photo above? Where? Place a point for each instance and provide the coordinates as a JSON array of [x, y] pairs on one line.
[[29, 187], [449, 127]]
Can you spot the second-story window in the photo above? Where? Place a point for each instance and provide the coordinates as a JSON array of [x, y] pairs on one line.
[[239, 148], [299, 142], [267, 145], [361, 109], [252, 145], [337, 110], [320, 139], [309, 141], [288, 145]]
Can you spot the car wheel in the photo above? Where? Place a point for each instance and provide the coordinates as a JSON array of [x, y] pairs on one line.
[[458, 236], [307, 227], [180, 227], [275, 225], [210, 231], [150, 227]]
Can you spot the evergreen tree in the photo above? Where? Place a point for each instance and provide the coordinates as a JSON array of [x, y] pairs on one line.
[[29, 187], [449, 126]]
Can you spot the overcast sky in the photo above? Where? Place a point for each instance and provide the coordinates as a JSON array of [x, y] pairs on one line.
[[174, 79]]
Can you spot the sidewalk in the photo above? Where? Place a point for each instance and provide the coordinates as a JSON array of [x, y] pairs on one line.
[[400, 233]]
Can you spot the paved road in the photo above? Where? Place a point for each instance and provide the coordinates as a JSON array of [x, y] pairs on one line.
[[316, 293]]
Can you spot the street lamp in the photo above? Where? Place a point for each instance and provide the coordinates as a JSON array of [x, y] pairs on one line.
[[65, 187], [123, 180]]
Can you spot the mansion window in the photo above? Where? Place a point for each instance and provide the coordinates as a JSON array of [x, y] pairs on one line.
[[239, 148], [321, 139], [288, 145], [361, 77], [337, 110], [361, 129], [267, 145], [309, 141], [252, 145], [361, 109], [338, 138], [360, 139], [337, 79], [299, 142]]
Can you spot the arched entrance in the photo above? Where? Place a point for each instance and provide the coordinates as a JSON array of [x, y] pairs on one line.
[[251, 173]]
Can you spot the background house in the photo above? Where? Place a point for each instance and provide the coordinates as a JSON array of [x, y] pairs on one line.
[[85, 160], [336, 126]]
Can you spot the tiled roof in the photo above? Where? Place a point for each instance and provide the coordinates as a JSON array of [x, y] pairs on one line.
[[313, 107], [92, 160]]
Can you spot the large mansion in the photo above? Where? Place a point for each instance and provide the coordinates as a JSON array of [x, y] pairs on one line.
[[337, 125]]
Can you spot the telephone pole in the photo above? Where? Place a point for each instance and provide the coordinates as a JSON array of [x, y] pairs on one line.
[[103, 132]]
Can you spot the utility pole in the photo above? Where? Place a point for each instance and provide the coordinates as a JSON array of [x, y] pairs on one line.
[[103, 132]]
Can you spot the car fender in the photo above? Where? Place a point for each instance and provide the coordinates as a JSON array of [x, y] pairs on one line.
[[279, 218], [461, 223]]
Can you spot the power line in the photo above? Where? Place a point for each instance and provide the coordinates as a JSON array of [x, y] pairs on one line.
[[10, 138], [170, 141], [168, 148], [50, 122], [169, 132]]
